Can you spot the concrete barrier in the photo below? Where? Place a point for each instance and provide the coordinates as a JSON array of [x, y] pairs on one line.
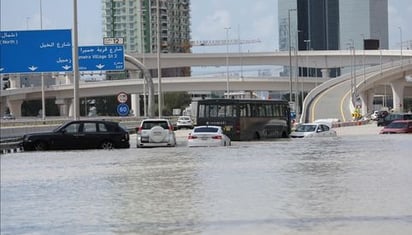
[[11, 145], [351, 123]]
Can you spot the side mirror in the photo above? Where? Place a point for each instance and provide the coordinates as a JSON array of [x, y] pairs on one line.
[[64, 131]]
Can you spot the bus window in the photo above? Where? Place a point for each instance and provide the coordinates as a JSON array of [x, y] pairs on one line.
[[269, 110], [221, 112], [211, 111], [201, 112], [231, 110], [244, 110], [262, 111]]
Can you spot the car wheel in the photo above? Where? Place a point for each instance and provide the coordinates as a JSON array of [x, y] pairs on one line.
[[40, 146], [106, 145], [256, 136]]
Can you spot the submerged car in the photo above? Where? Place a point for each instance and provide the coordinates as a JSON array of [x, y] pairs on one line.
[[207, 136], [398, 127], [313, 130], [386, 120], [184, 122], [155, 132], [88, 134]]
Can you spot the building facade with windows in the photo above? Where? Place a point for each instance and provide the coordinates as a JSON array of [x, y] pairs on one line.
[[332, 24], [136, 21]]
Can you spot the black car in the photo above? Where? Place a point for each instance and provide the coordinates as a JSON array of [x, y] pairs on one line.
[[384, 121], [84, 134]]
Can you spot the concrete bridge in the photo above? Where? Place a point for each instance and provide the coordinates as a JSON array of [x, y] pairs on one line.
[[324, 60]]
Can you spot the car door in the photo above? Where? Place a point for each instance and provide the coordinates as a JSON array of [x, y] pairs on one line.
[[67, 137], [89, 136], [322, 131]]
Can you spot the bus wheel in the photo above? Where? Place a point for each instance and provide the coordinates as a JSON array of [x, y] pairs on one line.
[[284, 135], [256, 136]]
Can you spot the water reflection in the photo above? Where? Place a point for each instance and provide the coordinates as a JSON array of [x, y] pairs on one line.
[[337, 185]]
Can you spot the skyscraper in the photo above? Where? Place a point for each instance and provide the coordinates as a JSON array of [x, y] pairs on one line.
[[136, 21], [332, 24]]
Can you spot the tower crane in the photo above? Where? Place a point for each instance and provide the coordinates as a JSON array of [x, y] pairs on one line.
[[222, 42], [189, 44]]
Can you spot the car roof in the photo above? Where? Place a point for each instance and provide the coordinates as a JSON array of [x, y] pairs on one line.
[[155, 120], [207, 126]]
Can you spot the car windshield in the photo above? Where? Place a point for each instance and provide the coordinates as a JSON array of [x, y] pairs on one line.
[[206, 129], [184, 118], [398, 125], [306, 128], [147, 125]]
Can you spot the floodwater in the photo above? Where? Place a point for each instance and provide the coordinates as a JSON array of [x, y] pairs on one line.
[[342, 185]]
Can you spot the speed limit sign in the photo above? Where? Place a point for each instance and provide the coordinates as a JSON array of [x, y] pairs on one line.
[[122, 97]]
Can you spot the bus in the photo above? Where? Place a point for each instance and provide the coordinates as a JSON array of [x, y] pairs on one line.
[[246, 119]]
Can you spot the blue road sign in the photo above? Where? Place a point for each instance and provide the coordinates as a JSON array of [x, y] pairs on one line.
[[101, 58], [35, 51], [123, 109]]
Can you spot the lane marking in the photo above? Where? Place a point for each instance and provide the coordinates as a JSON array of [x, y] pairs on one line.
[[317, 99], [341, 105]]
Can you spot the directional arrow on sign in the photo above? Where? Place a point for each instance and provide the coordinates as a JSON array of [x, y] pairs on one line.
[[1, 69], [66, 67], [100, 66], [33, 68]]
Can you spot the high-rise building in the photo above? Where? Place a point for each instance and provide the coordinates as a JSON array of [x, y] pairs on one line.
[[136, 21], [332, 24]]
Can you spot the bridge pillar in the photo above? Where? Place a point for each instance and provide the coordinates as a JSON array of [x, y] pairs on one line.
[[69, 78], [367, 101], [14, 81], [15, 107], [64, 106], [325, 73], [3, 105], [71, 108], [136, 104], [397, 91]]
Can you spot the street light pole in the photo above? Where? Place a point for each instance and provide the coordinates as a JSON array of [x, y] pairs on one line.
[[227, 62], [43, 96], [159, 70], [290, 56], [400, 32], [307, 41], [142, 46], [363, 58], [76, 73]]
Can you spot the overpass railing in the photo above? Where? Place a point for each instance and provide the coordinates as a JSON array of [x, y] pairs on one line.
[[314, 93]]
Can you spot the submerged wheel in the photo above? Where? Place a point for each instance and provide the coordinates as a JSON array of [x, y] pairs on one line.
[[256, 136], [106, 145], [40, 146]]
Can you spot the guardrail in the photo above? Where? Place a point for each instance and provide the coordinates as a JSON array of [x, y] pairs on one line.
[[11, 145], [352, 123]]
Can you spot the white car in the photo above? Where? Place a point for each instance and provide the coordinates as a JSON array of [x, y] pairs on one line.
[[205, 136], [374, 115], [155, 132], [306, 130], [184, 122]]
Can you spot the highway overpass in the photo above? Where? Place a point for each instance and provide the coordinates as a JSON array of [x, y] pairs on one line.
[[324, 60]]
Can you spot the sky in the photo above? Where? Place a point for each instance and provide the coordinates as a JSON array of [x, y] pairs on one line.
[[247, 19]]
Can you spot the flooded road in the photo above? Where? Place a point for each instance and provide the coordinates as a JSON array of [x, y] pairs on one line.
[[342, 185]]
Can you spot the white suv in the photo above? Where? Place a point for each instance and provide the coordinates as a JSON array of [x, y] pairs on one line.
[[184, 122], [155, 132]]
